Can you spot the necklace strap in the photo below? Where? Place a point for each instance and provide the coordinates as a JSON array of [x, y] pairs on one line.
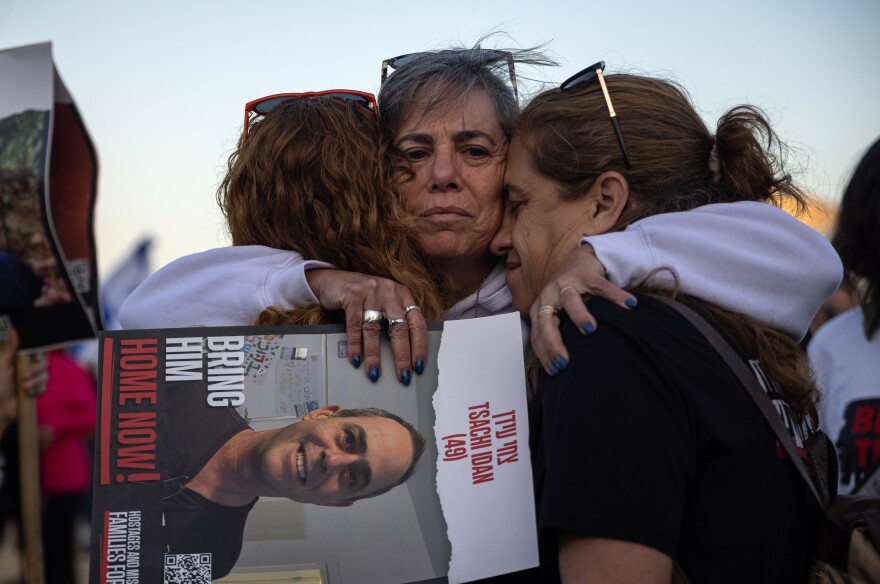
[[759, 396]]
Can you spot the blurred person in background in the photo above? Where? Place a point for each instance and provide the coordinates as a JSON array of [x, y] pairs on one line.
[[7, 384], [845, 352], [21, 286], [843, 299], [66, 419], [34, 380]]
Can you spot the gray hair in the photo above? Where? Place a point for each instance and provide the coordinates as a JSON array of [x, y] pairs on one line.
[[436, 77], [418, 441]]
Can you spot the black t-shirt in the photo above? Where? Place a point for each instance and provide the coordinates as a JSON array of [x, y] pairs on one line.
[[648, 437], [191, 434]]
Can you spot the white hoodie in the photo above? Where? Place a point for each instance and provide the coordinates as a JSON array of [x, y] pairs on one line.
[[748, 257]]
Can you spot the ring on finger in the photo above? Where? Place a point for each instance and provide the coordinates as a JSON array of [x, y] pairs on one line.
[[564, 288], [372, 317], [547, 310], [410, 308], [390, 322]]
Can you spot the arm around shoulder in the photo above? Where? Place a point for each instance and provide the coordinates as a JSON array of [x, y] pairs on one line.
[[224, 286], [748, 257]]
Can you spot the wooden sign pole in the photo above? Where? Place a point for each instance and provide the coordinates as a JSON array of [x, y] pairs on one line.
[[29, 461]]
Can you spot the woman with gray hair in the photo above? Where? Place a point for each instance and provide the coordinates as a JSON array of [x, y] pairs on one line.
[[446, 118]]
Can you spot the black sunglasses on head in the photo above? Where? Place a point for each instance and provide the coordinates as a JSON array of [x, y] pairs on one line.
[[494, 54], [585, 76]]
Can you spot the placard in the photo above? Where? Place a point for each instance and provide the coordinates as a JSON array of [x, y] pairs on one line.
[[221, 454]]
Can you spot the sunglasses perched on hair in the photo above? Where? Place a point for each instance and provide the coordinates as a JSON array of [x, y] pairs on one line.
[[587, 75], [490, 54], [260, 107]]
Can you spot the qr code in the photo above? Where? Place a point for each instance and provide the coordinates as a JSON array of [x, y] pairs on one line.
[[79, 275], [187, 569]]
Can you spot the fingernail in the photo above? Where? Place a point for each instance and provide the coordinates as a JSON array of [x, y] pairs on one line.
[[630, 302], [561, 362], [420, 366], [553, 369], [356, 361], [588, 328], [405, 376], [374, 373]]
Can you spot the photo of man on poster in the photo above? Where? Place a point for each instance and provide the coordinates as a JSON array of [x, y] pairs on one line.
[[332, 456]]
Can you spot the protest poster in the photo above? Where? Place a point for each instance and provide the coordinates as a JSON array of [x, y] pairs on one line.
[[48, 177], [174, 402]]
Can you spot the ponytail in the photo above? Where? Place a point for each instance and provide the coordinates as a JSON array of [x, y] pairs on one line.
[[751, 160]]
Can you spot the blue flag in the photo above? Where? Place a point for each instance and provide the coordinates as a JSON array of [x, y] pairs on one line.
[[127, 276]]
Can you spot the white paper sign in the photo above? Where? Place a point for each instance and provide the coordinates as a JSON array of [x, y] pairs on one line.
[[483, 462]]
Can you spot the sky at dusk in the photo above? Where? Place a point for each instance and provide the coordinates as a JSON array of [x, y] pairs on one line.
[[162, 85]]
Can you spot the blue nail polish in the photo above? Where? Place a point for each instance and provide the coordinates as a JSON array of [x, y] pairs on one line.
[[553, 369], [405, 376], [588, 328], [374, 373], [630, 302], [561, 362], [420, 366], [356, 361]]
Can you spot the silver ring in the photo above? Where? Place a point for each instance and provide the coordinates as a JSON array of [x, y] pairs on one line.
[[372, 317], [410, 308], [547, 310], [390, 322], [564, 288]]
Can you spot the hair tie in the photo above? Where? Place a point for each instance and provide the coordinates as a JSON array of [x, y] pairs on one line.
[[715, 164]]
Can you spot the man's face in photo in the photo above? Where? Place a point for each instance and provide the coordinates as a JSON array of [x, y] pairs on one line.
[[328, 460]]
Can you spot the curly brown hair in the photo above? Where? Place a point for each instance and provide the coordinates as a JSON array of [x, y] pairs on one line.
[[570, 139], [310, 178]]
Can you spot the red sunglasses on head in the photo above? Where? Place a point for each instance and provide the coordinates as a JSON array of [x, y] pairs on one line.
[[263, 105]]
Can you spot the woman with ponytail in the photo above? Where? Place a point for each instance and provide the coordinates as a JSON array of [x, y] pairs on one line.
[[649, 456]]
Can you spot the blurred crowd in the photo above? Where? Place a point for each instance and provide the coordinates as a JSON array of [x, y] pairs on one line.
[[64, 391]]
